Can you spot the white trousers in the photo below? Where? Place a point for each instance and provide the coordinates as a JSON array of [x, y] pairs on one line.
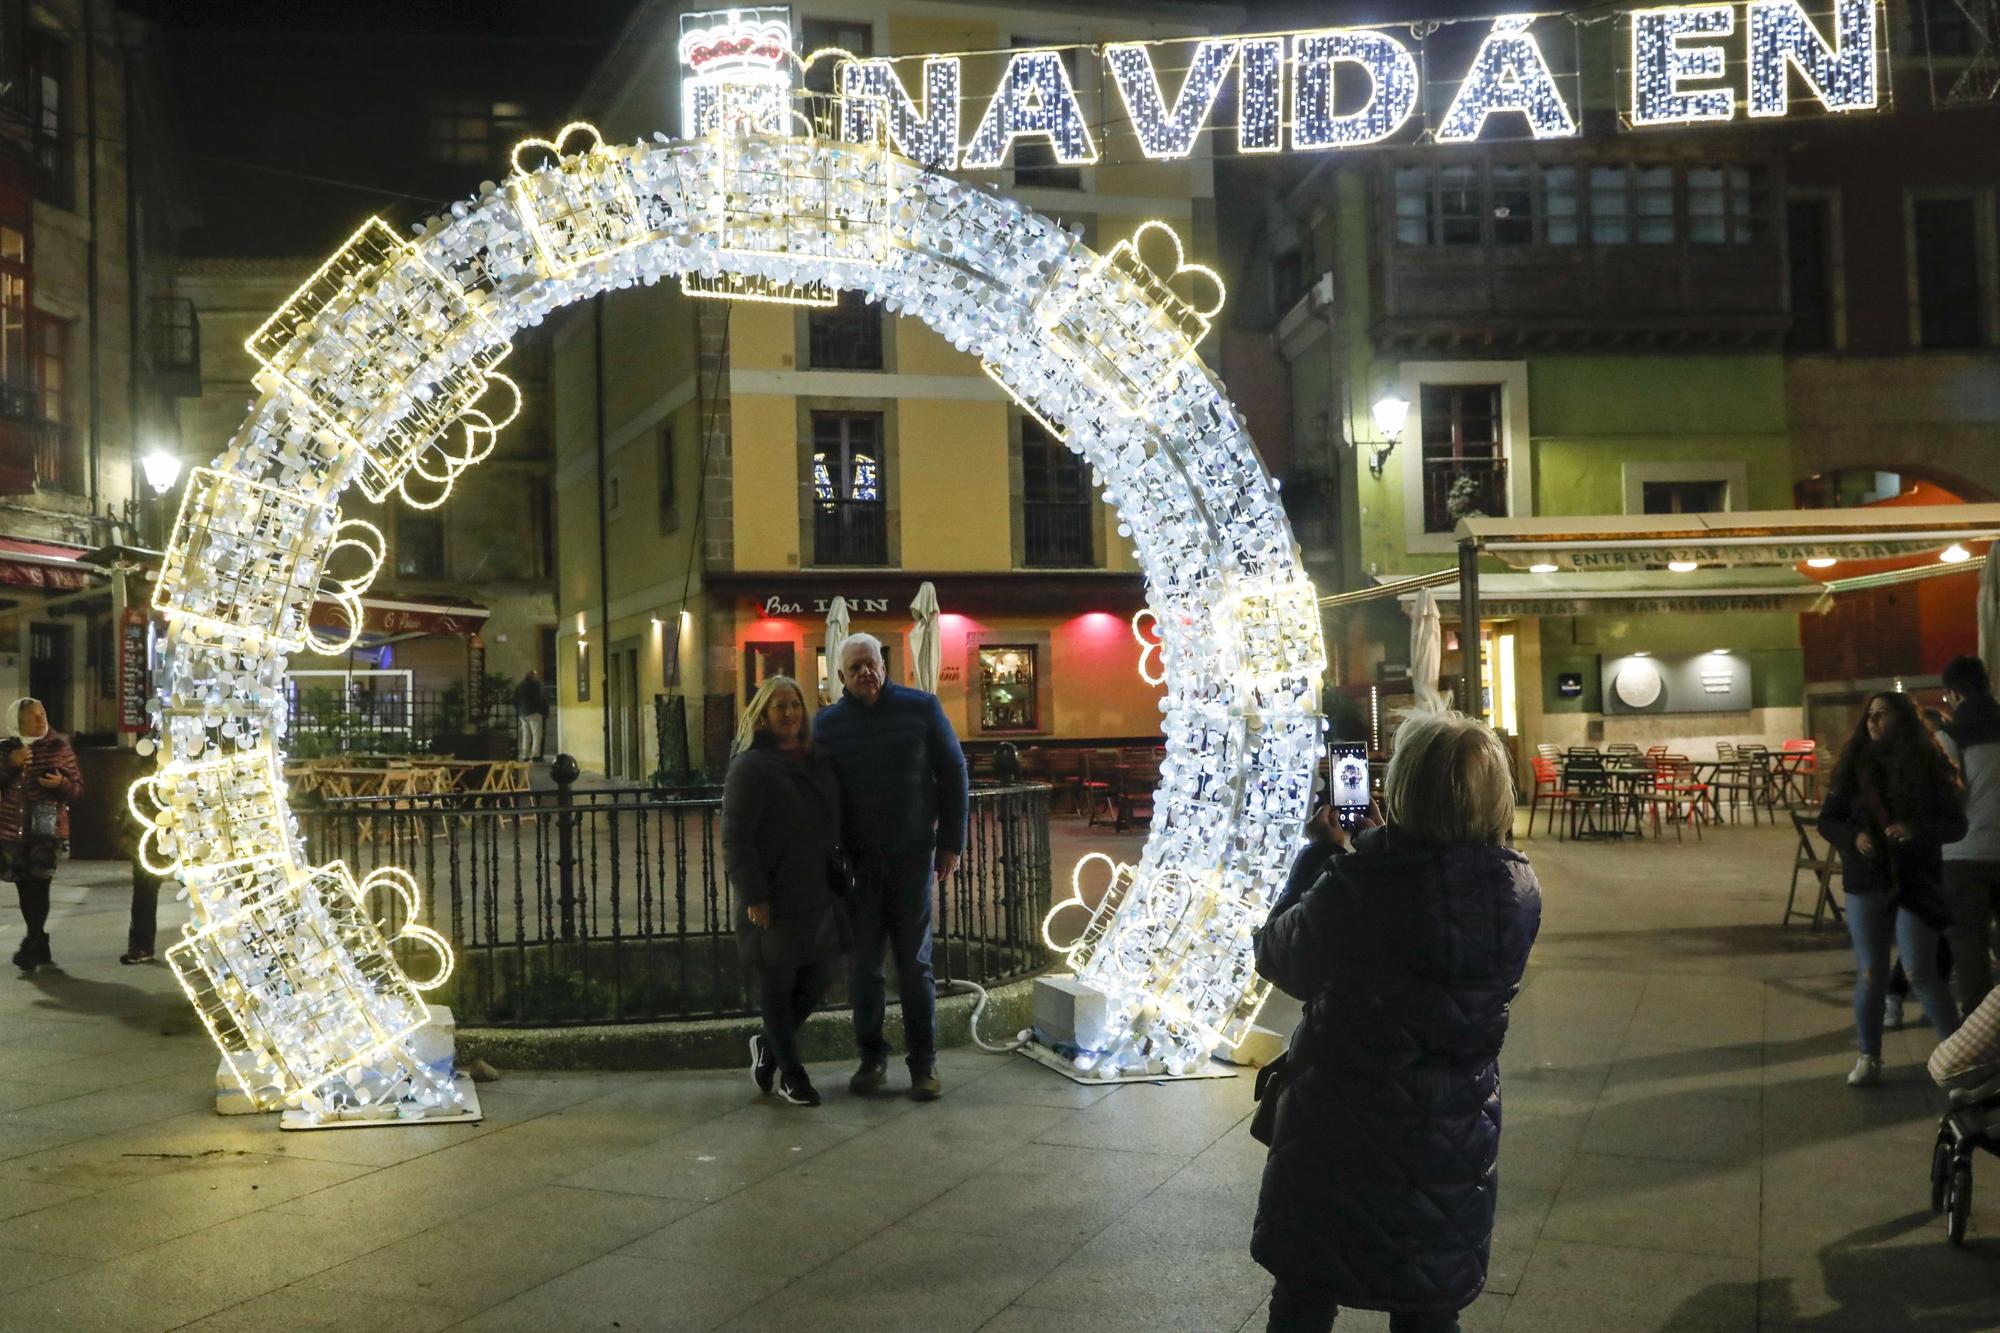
[[531, 736]]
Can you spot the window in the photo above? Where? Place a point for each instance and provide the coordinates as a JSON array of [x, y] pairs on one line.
[[16, 375], [420, 545], [670, 514], [1288, 278], [1945, 242], [850, 524], [1035, 158], [1632, 204], [473, 131], [49, 72], [1513, 193], [763, 660], [847, 336], [1007, 688], [1464, 465], [1725, 205], [1684, 497], [52, 340], [817, 34], [1056, 508], [1458, 205], [1942, 29], [1527, 204], [1809, 240]]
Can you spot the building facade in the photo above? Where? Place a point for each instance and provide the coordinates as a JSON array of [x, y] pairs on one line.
[[724, 469], [1660, 321]]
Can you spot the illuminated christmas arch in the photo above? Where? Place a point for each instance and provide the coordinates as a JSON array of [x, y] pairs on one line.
[[383, 372]]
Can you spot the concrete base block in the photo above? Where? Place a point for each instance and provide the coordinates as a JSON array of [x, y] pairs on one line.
[[434, 1044], [1257, 1050], [1070, 1013]]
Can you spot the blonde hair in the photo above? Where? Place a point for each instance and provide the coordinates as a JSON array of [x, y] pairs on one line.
[[1450, 779], [760, 704]]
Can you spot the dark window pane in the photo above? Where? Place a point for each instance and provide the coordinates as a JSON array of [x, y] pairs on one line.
[[1413, 205], [819, 34], [850, 525], [1684, 497], [1948, 278], [1464, 463], [1056, 506], [1809, 239], [420, 545], [847, 336], [1459, 205], [1513, 205]]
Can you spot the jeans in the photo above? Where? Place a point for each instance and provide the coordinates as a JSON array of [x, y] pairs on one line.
[[891, 904], [1973, 890], [1869, 925], [1297, 1311], [788, 997], [531, 735]]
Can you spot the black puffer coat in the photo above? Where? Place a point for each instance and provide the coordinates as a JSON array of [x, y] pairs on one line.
[[780, 825], [1380, 1188]]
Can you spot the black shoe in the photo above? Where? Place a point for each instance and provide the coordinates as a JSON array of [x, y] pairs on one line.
[[763, 1069], [797, 1089], [24, 958], [131, 956], [869, 1078], [924, 1085]]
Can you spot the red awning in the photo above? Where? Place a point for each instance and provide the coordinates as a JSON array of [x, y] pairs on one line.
[[50, 565], [391, 615]]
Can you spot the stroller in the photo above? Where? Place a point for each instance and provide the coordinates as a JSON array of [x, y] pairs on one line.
[[1967, 1066]]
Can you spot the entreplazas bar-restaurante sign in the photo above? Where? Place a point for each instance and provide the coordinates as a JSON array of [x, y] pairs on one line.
[[1310, 91]]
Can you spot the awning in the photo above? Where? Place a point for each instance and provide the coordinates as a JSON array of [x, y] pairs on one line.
[[51, 565], [382, 616], [1635, 593], [1755, 537]]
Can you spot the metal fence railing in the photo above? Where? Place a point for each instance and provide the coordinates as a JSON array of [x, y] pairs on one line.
[[610, 905]]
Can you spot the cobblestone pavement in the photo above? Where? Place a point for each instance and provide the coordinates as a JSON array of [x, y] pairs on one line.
[[1680, 1154]]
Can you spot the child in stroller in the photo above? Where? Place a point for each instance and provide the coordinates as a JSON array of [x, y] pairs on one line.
[[1967, 1066]]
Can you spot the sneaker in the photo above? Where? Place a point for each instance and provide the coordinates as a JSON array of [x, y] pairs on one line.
[[763, 1069], [797, 1089], [1892, 1012], [869, 1078], [131, 956], [924, 1085], [1867, 1072]]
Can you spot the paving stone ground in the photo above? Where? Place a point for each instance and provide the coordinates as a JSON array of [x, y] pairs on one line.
[[1680, 1154]]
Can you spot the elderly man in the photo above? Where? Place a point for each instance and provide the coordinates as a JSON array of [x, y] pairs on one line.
[[903, 796]]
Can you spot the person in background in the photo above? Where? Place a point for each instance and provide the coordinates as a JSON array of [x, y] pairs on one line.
[[1889, 810], [1407, 945], [1971, 740], [780, 835], [904, 794], [531, 714], [38, 780]]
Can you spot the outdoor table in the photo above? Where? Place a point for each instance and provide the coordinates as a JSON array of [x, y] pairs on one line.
[[1787, 770]]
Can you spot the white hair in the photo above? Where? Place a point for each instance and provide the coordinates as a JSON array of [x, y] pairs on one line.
[[873, 644], [1450, 779]]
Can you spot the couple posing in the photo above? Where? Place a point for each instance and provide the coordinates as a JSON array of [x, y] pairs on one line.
[[831, 838]]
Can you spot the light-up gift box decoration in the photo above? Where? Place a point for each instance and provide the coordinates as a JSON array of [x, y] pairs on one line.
[[580, 208], [386, 350]]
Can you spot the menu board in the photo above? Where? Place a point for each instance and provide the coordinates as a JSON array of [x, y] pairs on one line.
[[134, 675]]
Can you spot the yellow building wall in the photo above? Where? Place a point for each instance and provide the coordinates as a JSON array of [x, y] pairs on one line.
[[765, 486], [954, 494]]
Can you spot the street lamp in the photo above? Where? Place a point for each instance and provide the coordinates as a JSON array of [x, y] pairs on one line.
[[1392, 410], [162, 470]]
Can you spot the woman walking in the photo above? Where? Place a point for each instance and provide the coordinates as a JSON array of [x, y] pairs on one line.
[[1890, 809], [780, 842], [1407, 946], [38, 780]]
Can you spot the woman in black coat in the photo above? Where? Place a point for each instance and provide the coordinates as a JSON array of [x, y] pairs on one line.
[[780, 835], [1890, 809], [1407, 947]]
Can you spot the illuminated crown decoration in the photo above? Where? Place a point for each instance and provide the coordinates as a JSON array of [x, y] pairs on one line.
[[738, 44]]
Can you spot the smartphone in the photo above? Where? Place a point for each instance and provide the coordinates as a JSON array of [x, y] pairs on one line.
[[1349, 796]]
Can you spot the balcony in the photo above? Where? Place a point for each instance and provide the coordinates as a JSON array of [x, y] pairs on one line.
[[35, 455], [1509, 255], [850, 532], [175, 331], [1482, 489], [1056, 536]]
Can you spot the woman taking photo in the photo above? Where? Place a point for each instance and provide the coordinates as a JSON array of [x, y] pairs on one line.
[[1889, 811], [38, 780], [1407, 945], [780, 838]]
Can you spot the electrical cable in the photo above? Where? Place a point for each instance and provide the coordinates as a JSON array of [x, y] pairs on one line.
[[959, 986]]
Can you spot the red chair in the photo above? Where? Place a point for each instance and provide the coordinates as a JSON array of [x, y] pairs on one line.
[[1800, 771], [1548, 783], [1676, 791]]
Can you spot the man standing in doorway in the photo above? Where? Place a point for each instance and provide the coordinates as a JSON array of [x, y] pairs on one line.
[[531, 710], [1972, 865], [903, 796]]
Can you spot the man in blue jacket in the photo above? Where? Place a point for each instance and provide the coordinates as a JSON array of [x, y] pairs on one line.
[[903, 797]]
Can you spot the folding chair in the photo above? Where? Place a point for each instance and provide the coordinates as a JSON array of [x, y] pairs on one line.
[[1823, 869]]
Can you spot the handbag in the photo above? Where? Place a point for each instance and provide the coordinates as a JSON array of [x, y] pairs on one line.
[[1270, 1082], [42, 820]]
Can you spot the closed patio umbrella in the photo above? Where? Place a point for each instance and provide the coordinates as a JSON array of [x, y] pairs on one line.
[[926, 653], [836, 630], [1989, 609], [1426, 649]]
